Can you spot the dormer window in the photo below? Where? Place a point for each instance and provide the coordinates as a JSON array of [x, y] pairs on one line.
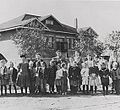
[[49, 22]]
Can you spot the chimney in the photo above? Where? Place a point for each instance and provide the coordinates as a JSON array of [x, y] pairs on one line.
[[76, 23]]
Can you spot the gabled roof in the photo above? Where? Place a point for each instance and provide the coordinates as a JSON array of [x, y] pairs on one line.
[[69, 28], [12, 23], [26, 18], [85, 30]]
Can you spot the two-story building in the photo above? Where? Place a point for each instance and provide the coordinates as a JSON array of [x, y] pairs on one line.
[[56, 31]]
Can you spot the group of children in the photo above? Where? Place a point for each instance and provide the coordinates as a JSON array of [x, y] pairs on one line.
[[61, 76]]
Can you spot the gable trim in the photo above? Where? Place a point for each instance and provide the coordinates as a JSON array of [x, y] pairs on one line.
[[39, 22], [54, 18]]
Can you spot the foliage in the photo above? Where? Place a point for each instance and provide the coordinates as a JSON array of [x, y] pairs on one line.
[[113, 41], [89, 45], [32, 41]]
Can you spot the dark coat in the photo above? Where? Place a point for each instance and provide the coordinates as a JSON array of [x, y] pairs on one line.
[[24, 77], [94, 70], [104, 74], [74, 73], [115, 74], [14, 74], [52, 74], [43, 75]]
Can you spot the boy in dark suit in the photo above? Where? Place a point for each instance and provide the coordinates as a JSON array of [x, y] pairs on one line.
[[104, 75]]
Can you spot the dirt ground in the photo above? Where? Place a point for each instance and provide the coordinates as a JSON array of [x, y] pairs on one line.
[[78, 102]]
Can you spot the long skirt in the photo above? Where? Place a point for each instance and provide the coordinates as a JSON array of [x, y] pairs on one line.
[[23, 81], [93, 81]]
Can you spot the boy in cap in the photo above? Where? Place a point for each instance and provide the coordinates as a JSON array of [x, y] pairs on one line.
[[104, 75]]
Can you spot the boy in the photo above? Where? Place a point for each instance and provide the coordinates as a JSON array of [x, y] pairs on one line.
[[74, 76], [115, 75], [93, 78], [104, 75]]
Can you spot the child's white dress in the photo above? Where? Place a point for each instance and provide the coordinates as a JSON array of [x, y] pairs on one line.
[[85, 76]]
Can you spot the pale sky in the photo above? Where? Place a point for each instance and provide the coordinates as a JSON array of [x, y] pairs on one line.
[[103, 16]]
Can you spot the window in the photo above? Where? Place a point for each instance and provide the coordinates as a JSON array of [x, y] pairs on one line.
[[50, 42], [69, 43], [59, 39], [49, 22]]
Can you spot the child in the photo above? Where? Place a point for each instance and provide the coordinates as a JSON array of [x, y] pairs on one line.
[[12, 77], [85, 76], [32, 77], [4, 78], [64, 79], [104, 75], [51, 76], [93, 78], [58, 79], [115, 77], [74, 76], [43, 75]]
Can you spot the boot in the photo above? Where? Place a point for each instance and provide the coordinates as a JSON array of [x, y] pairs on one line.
[[15, 89], [5, 90], [26, 90], [91, 90], [10, 89], [103, 90], [106, 90], [87, 86], [21, 90], [1, 89], [83, 89]]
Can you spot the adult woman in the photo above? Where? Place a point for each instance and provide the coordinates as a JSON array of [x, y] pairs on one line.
[[24, 74], [77, 58]]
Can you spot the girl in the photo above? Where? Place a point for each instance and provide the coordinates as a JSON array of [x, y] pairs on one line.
[[104, 74], [12, 77], [64, 79], [32, 77], [4, 78], [85, 77], [58, 79], [24, 74]]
